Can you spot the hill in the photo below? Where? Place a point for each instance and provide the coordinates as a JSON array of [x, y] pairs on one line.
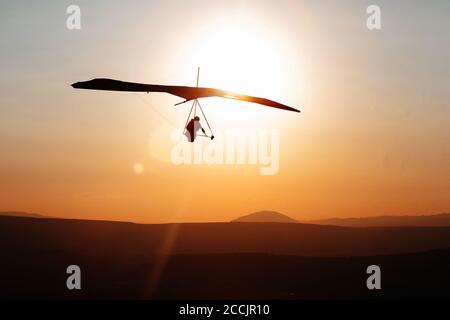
[[22, 214], [438, 220], [266, 216], [77, 236], [219, 260]]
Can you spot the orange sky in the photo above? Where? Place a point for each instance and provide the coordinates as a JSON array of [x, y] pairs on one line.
[[372, 138]]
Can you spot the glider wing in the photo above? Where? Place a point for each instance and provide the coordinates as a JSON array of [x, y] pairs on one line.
[[188, 93]]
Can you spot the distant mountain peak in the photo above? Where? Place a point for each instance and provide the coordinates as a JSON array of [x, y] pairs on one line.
[[22, 214], [265, 216], [433, 220]]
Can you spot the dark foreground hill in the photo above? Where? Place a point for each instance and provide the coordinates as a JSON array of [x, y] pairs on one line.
[[228, 260], [127, 239], [41, 275]]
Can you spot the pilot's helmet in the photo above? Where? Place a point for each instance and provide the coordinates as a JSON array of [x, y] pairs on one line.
[[197, 118]]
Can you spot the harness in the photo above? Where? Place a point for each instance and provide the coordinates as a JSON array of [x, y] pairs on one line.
[[194, 108]]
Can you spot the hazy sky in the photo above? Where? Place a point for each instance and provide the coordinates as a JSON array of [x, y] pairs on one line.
[[372, 138]]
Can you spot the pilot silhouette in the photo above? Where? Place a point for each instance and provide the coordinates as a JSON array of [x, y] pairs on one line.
[[192, 128]]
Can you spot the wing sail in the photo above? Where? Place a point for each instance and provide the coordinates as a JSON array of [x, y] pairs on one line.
[[188, 93]]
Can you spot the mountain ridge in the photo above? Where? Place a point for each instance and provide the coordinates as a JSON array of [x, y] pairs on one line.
[[265, 216], [433, 220]]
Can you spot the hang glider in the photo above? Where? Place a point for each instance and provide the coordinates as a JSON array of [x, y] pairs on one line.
[[187, 93]]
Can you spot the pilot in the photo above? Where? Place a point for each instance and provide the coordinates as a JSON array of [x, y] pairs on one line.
[[192, 128]]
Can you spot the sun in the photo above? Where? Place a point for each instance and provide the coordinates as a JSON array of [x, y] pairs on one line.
[[239, 55]]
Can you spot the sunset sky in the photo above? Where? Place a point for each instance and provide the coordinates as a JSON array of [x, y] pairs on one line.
[[372, 138]]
